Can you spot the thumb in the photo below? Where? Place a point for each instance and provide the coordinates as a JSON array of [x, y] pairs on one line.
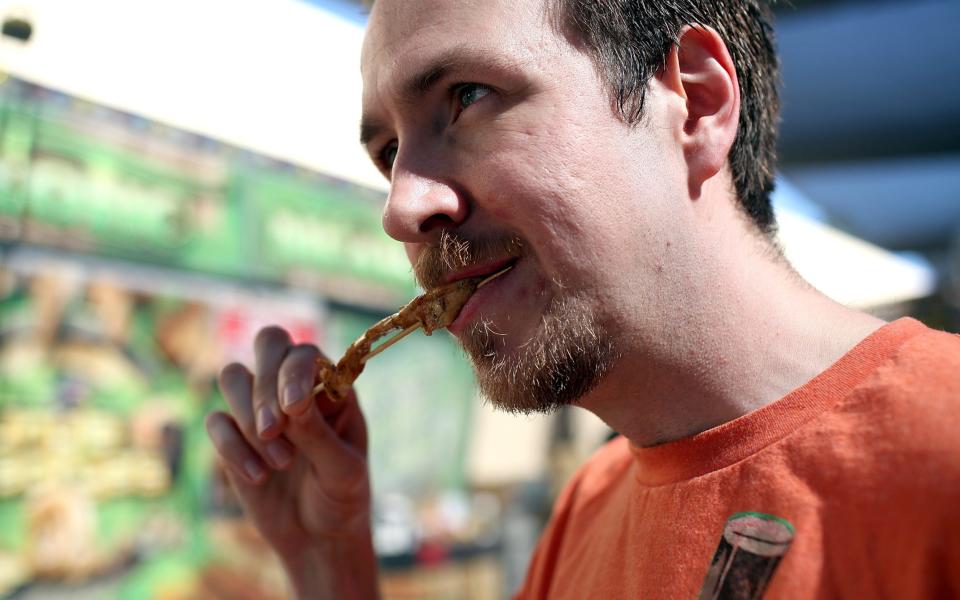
[[333, 459]]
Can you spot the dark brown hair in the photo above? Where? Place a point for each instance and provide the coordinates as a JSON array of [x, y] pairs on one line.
[[629, 40]]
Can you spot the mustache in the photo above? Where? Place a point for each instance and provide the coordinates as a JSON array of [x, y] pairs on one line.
[[454, 252]]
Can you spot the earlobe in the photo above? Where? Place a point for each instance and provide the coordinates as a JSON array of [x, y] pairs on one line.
[[704, 75]]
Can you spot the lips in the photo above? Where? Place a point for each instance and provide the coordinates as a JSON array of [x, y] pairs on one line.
[[469, 311], [487, 268]]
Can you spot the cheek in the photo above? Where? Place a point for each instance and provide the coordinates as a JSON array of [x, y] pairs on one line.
[[530, 198], [526, 170], [537, 190]]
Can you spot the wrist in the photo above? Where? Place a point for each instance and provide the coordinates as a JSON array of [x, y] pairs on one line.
[[339, 567]]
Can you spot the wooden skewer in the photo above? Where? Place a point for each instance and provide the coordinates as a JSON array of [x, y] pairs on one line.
[[319, 387], [416, 326], [494, 276], [379, 349], [390, 342]]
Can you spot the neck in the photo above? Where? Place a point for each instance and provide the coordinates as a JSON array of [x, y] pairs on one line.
[[749, 333]]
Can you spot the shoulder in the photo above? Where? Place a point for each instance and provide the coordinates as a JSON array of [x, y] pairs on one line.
[[905, 416], [919, 384], [928, 361], [896, 449]]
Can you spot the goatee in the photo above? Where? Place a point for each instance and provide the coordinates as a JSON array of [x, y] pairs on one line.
[[566, 356]]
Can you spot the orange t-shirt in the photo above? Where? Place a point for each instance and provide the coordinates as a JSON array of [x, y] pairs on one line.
[[848, 487]]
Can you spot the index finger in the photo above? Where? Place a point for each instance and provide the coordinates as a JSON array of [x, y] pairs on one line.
[[296, 384], [297, 375]]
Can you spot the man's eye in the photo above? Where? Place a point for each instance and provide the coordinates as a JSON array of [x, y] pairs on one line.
[[388, 155], [468, 93]]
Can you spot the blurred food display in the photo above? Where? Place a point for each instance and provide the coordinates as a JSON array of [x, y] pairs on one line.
[[136, 261]]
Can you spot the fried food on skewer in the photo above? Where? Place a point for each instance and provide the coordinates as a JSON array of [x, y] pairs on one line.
[[435, 309]]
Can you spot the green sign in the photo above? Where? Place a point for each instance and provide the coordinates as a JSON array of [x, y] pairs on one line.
[[90, 179]]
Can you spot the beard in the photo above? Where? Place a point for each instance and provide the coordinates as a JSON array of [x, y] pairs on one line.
[[566, 356]]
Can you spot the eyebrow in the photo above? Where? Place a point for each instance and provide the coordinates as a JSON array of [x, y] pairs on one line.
[[417, 86]]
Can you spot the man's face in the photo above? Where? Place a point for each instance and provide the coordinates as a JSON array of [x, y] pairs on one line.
[[503, 148]]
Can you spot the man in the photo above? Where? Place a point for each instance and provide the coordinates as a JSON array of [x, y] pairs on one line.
[[619, 156]]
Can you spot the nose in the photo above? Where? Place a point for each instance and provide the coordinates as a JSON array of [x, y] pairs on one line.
[[419, 207]]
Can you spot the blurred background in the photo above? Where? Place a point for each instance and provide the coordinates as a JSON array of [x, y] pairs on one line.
[[175, 175]]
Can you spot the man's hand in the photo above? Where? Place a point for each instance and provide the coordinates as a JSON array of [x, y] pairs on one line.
[[299, 466]]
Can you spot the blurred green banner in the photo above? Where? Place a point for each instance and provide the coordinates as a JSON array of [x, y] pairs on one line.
[[87, 178]]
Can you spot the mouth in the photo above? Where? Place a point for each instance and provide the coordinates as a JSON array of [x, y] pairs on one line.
[[482, 270], [485, 293]]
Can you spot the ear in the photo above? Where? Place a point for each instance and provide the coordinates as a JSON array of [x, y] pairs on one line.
[[700, 70]]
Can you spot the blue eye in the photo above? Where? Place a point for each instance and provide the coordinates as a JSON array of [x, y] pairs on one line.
[[468, 93]]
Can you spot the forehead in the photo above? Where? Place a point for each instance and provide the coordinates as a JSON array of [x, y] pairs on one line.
[[405, 36]]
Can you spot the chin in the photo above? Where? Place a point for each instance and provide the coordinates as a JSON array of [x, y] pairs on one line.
[[562, 358]]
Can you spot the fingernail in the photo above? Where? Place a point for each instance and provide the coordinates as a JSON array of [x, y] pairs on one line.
[[292, 394], [278, 454], [254, 470], [266, 420]]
